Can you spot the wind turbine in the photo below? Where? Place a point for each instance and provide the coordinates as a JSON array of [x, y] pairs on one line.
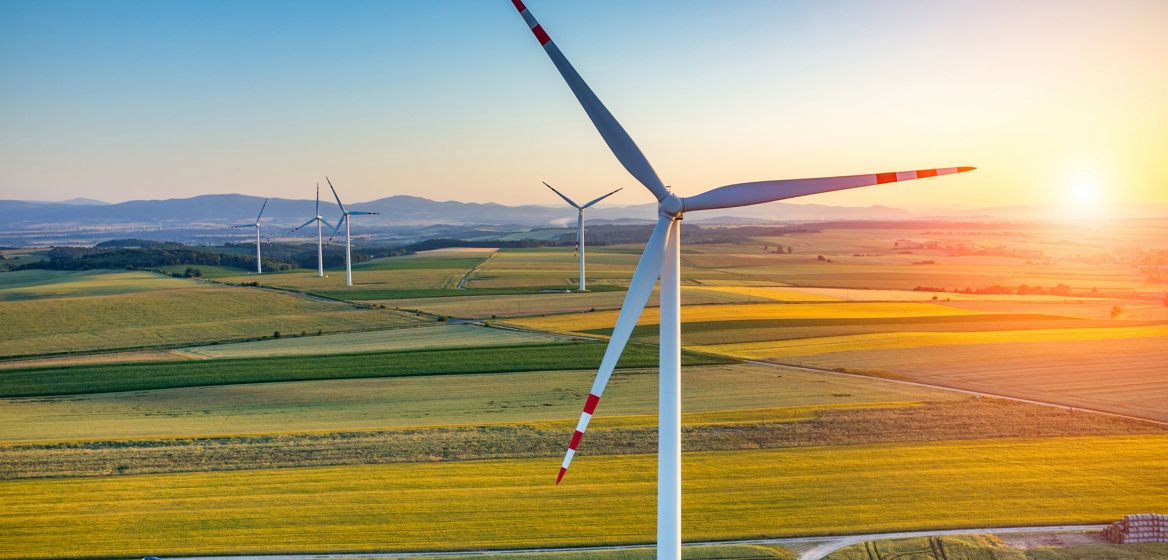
[[662, 256], [580, 226], [348, 240], [319, 236], [256, 225]]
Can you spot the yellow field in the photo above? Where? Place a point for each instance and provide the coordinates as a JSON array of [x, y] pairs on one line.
[[605, 499], [894, 340], [857, 310]]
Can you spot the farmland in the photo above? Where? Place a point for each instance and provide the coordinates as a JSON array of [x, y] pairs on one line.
[[186, 315], [373, 425], [105, 378], [608, 499]]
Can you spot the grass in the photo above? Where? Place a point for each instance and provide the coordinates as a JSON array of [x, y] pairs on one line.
[[723, 430], [432, 336], [604, 500], [859, 310], [193, 314], [105, 378]]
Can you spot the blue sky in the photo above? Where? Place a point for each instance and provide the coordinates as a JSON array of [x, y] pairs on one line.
[[455, 100]]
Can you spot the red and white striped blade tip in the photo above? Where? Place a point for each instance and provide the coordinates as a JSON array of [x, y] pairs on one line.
[[560, 476]]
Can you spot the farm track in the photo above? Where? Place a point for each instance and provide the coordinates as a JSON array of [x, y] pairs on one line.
[[822, 546], [466, 277], [960, 390]]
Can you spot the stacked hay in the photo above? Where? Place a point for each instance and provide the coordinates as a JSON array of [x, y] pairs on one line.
[[1138, 528]]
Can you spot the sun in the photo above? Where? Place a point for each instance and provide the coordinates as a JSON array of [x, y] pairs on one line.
[[1084, 197], [1084, 192]]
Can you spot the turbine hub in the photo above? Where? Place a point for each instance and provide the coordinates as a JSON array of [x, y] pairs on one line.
[[671, 206]]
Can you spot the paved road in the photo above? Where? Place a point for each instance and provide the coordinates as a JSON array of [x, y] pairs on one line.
[[823, 545]]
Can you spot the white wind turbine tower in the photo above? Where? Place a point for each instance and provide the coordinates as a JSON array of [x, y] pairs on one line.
[[662, 256], [319, 235], [348, 240], [256, 225], [580, 226]]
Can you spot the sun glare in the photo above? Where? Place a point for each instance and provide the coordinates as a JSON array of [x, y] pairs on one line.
[[1084, 197]]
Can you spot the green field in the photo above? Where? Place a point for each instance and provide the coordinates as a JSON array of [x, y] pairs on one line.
[[605, 499], [422, 337], [187, 315], [106, 378], [41, 284]]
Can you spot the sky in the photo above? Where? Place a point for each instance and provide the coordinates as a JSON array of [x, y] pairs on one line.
[[1060, 102]]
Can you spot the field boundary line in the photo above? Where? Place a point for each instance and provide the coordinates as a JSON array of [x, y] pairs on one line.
[[959, 390]]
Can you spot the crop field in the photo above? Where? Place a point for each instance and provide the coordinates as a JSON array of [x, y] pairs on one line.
[[444, 400], [904, 339], [605, 499], [104, 378], [519, 305], [747, 312], [41, 284], [415, 338], [552, 267], [1124, 376], [721, 430], [173, 317]]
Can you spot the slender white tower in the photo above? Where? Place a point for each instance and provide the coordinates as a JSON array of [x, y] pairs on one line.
[[581, 286], [256, 225], [662, 258], [345, 214], [319, 235]]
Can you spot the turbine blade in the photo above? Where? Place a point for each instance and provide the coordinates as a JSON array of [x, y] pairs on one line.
[[364, 213], [325, 222], [566, 199], [746, 194], [244, 225], [640, 288], [619, 141], [262, 210], [340, 223], [318, 199], [330, 184], [302, 225], [601, 198]]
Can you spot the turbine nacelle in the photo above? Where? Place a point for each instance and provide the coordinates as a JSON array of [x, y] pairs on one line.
[[672, 206]]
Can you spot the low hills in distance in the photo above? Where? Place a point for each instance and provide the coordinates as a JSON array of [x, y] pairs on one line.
[[82, 220]]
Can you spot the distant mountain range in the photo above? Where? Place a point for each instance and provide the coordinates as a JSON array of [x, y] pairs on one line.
[[222, 209]]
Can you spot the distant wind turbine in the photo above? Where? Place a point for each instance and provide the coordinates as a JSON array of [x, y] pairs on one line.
[[256, 225], [662, 256], [580, 227], [348, 239], [319, 235]]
